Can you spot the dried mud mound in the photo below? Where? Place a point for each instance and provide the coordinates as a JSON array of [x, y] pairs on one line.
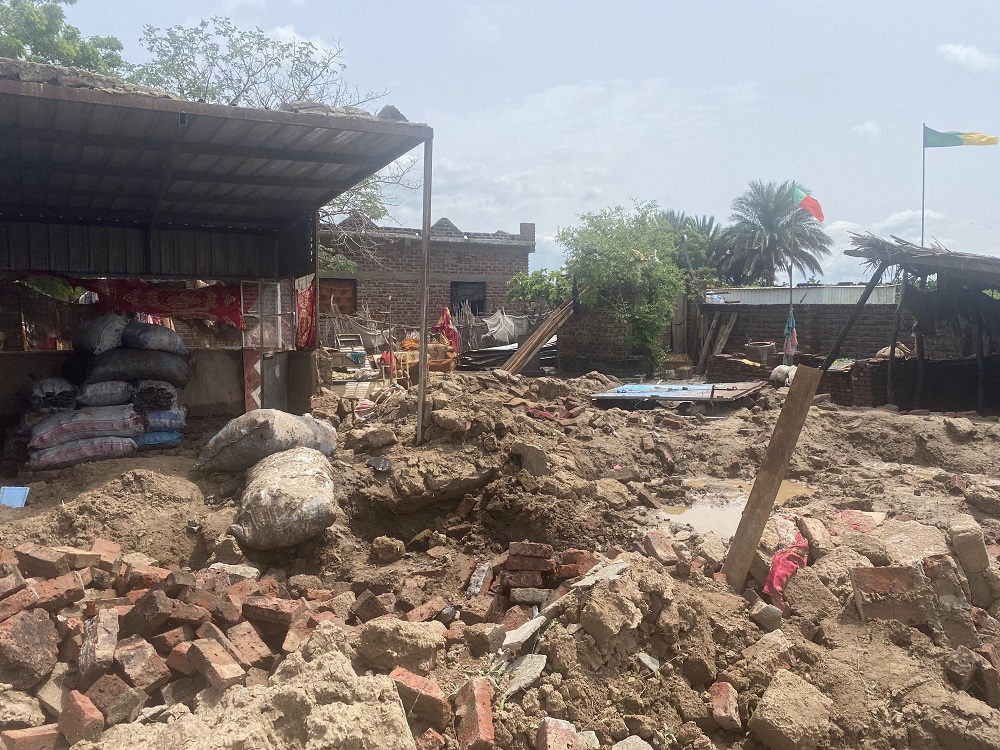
[[315, 700]]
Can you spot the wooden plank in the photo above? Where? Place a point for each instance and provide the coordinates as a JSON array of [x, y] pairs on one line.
[[678, 326], [849, 323], [723, 339], [707, 343], [534, 343], [772, 473]]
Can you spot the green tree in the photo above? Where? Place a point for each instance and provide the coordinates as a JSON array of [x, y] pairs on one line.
[[551, 288], [216, 62], [698, 243], [627, 261], [36, 30], [769, 235]]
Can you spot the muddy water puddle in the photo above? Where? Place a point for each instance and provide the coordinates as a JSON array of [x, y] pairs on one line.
[[718, 504]]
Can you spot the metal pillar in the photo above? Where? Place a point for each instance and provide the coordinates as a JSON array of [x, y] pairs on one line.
[[424, 290]]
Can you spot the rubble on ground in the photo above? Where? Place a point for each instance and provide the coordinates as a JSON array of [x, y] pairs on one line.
[[522, 580]]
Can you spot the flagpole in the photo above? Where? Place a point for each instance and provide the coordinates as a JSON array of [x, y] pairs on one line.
[[923, 183]]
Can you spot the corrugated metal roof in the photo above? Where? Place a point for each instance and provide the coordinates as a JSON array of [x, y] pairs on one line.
[[77, 149], [884, 294]]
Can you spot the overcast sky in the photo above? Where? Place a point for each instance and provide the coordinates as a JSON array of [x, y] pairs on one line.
[[544, 110]]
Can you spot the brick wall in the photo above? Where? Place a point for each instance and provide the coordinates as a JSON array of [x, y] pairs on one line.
[[395, 270], [818, 325], [593, 342]]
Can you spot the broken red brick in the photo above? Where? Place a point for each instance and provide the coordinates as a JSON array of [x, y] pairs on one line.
[[109, 552], [475, 715], [428, 610], [455, 633], [192, 615], [222, 611], [38, 560], [725, 706], [647, 444], [256, 678], [368, 606], [212, 632], [150, 612], [59, 592], [178, 659], [529, 549], [80, 719], [10, 585], [165, 642], [522, 562], [28, 648], [115, 700], [478, 609], [144, 576], [659, 544], [34, 738], [430, 740], [17, 602], [423, 697], [252, 648], [555, 734], [272, 609], [671, 421], [515, 617], [667, 459], [177, 584], [140, 665], [80, 558], [520, 579], [218, 667]]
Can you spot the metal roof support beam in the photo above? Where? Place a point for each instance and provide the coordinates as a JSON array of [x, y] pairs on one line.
[[425, 242]]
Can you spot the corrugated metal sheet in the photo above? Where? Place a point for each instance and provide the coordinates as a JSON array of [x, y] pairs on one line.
[[816, 295]]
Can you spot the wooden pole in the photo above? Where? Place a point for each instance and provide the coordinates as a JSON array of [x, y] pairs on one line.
[[890, 386], [918, 396], [425, 254], [707, 343], [771, 474], [853, 317]]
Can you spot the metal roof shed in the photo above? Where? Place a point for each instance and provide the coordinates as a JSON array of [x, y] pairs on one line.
[[101, 177]]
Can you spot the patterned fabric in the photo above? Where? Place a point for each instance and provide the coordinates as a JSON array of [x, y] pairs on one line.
[[446, 329], [305, 303]]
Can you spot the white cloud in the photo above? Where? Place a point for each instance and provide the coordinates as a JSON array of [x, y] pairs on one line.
[[867, 129], [288, 33], [969, 56], [226, 7]]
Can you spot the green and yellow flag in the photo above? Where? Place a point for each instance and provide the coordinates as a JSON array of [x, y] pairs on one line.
[[935, 139]]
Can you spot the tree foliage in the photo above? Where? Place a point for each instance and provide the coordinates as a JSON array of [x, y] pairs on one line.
[[36, 30], [549, 287], [769, 235], [216, 62], [627, 260]]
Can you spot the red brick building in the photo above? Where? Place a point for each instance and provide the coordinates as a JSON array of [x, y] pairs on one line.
[[474, 266]]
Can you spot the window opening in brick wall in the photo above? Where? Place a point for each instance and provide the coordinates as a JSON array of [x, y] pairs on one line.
[[269, 315], [473, 292]]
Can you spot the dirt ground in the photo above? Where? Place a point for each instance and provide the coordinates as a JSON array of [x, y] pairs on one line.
[[509, 458]]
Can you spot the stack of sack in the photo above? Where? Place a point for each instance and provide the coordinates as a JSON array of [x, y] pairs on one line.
[[127, 400]]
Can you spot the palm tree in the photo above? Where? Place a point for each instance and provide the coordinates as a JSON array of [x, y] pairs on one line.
[[769, 235]]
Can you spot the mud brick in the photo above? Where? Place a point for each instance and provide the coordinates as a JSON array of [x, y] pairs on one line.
[[115, 700], [147, 616], [647, 444], [164, 642], [10, 585], [17, 602], [430, 740], [109, 552], [192, 615], [143, 577], [80, 558], [555, 734], [659, 544], [272, 609], [428, 610], [725, 706], [80, 718], [253, 651], [178, 659], [100, 639], [515, 617], [523, 562], [423, 697], [212, 632], [56, 593], [475, 715], [529, 549], [215, 664], [893, 593], [38, 560], [182, 690], [368, 606], [34, 738], [520, 579], [140, 665], [221, 611]]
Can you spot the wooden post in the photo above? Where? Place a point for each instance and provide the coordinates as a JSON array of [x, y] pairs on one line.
[[918, 396], [977, 334], [890, 390], [707, 343], [771, 474], [853, 317]]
